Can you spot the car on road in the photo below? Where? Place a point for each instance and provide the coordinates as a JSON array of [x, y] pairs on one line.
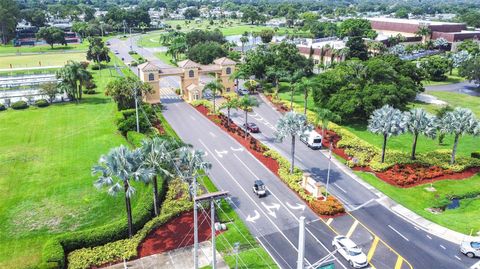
[[350, 251], [243, 91], [108, 43], [259, 188], [251, 127], [312, 139], [116, 51], [470, 248]]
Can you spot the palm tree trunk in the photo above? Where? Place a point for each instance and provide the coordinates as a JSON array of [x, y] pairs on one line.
[[305, 102], [228, 118], [291, 97], [155, 195], [384, 147], [246, 130], [414, 147], [293, 155], [323, 135], [129, 211], [454, 151], [214, 93]]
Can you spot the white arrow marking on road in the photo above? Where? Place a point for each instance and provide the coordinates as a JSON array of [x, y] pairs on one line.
[[298, 206], [269, 209], [237, 149], [205, 154], [254, 218], [212, 134], [221, 153]]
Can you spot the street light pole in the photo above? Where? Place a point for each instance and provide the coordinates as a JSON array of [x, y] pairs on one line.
[[236, 246], [301, 243], [329, 164], [136, 100], [195, 224], [212, 220]]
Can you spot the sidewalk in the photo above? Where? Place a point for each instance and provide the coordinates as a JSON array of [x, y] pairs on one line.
[[176, 259]]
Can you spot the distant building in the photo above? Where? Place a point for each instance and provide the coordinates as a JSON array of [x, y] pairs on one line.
[[323, 50], [276, 23], [25, 34], [452, 32]]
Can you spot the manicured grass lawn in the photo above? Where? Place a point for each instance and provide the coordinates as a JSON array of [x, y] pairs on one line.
[[46, 185], [29, 72], [298, 96], [460, 100], [453, 78], [162, 56], [464, 219], [9, 49], [251, 254], [39, 60]]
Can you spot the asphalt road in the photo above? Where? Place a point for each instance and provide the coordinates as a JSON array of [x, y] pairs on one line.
[[462, 87], [274, 220]]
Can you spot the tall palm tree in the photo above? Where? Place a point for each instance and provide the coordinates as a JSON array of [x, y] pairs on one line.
[[246, 103], [251, 85], [323, 116], [238, 74], [243, 40], [424, 32], [119, 167], [75, 76], [387, 121], [306, 86], [276, 74], [214, 86], [292, 124], [157, 155], [459, 122], [232, 103], [189, 163], [418, 121]]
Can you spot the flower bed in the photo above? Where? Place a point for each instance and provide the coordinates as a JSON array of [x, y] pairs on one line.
[[274, 162], [397, 169]]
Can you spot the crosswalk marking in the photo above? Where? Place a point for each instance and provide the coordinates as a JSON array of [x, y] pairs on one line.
[[372, 248], [166, 93], [399, 262], [329, 221], [352, 229]]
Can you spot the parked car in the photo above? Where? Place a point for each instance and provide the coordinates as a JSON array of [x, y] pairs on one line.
[[108, 43], [251, 127], [312, 139], [470, 248], [259, 188], [243, 91], [116, 51], [350, 251]]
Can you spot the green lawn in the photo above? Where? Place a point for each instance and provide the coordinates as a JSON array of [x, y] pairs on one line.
[[460, 100], [453, 78], [162, 56], [465, 219], [9, 49], [39, 60], [298, 96], [46, 185], [28, 72]]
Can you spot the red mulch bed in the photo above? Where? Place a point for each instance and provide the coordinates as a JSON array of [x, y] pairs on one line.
[[176, 233]]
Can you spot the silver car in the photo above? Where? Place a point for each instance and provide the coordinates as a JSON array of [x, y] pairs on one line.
[[470, 248], [350, 251]]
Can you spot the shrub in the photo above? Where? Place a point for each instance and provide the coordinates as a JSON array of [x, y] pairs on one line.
[[132, 52], [96, 66], [89, 91], [42, 103], [20, 105], [475, 154], [329, 207], [135, 138], [90, 85], [2, 107], [133, 63], [177, 91], [127, 121]]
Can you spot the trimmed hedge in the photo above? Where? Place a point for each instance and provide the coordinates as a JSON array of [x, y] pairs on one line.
[[127, 248], [2, 107], [475, 154], [135, 138], [42, 103], [20, 105]]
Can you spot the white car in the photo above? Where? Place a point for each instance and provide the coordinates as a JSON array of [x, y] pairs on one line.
[[470, 248], [350, 251], [243, 92], [312, 139]]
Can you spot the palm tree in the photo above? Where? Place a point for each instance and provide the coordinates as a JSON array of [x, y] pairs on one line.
[[459, 122], [246, 103], [189, 164], [251, 85], [119, 167], [418, 121], [292, 124], [238, 74], [424, 32], [386, 121], [214, 86], [75, 76], [323, 116], [306, 86], [157, 155], [243, 40], [276, 75], [232, 103]]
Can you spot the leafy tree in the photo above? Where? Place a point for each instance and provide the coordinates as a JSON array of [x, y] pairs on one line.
[[401, 13], [35, 16], [292, 124], [158, 154], [472, 47], [440, 113], [191, 13], [10, 15], [419, 122], [424, 32], [205, 53], [322, 29], [246, 103], [276, 75], [97, 51], [252, 15], [324, 116], [458, 122], [52, 35], [251, 85], [356, 27], [120, 167], [471, 18], [266, 35], [229, 104], [199, 36], [306, 86], [214, 86], [386, 121], [122, 90], [49, 89], [81, 28], [73, 76], [357, 48], [177, 46], [243, 40], [471, 69], [435, 67], [459, 58]]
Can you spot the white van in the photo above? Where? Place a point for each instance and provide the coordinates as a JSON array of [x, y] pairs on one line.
[[312, 139]]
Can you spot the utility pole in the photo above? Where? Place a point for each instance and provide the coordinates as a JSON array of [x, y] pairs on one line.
[[131, 38], [236, 246], [136, 100], [329, 164], [211, 197], [301, 243]]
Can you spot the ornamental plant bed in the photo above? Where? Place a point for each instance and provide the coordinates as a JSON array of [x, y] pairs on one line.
[[329, 208]]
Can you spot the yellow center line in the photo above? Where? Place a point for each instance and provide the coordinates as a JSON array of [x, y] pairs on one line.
[[329, 221], [398, 265], [352, 228], [373, 248]]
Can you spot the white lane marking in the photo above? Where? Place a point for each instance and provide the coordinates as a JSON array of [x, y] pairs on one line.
[[192, 117], [252, 200], [298, 206], [266, 249], [336, 185], [237, 149], [254, 218], [221, 153], [398, 233], [416, 228], [444, 248], [428, 236], [269, 209], [458, 258], [362, 205], [212, 134], [288, 210]]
